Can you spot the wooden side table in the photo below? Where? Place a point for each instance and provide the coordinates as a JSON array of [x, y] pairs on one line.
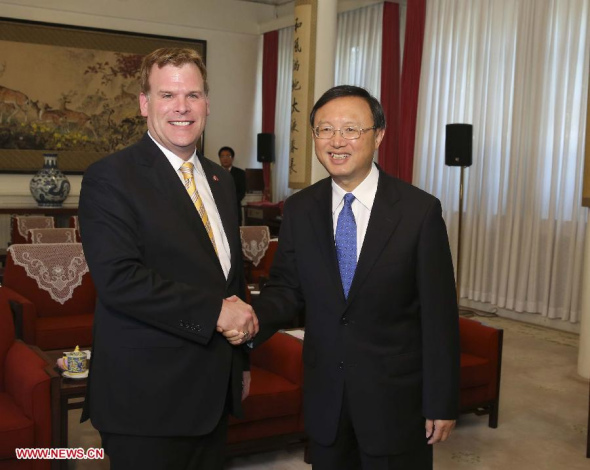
[[62, 391]]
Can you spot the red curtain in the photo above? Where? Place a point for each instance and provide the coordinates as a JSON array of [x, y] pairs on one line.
[[390, 89], [415, 20], [270, 63]]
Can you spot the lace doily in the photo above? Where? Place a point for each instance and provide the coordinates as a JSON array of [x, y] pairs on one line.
[[53, 235], [255, 241], [25, 224], [57, 267]]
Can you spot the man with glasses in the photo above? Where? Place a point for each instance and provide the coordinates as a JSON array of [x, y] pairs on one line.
[[368, 257]]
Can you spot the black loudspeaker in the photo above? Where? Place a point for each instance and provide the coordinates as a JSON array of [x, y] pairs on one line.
[[266, 148], [458, 145]]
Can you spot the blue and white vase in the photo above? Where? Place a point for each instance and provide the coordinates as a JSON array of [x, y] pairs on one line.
[[49, 186]]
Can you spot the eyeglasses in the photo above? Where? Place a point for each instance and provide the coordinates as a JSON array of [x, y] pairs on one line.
[[348, 132]]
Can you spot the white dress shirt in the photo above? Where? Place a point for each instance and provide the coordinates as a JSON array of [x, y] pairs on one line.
[[204, 190], [364, 197]]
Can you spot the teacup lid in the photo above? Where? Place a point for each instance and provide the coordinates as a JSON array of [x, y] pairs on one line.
[[76, 352]]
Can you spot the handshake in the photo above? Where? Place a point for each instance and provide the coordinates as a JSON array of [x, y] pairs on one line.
[[237, 321]]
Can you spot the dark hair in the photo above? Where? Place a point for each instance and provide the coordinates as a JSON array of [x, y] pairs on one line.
[[343, 91], [170, 56], [229, 149]]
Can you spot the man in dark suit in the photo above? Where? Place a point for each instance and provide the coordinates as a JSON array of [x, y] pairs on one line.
[[368, 257], [226, 159], [160, 233]]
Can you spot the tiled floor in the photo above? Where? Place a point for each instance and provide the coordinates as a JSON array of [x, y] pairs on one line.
[[543, 415]]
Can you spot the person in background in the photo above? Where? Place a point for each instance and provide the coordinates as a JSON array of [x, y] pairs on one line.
[[368, 257], [162, 242], [226, 159]]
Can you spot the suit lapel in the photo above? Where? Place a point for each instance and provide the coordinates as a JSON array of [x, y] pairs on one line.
[[163, 177], [321, 221], [159, 172], [385, 217]]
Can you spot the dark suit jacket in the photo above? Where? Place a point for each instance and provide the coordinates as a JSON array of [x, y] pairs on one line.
[[239, 177], [394, 343], [158, 365]]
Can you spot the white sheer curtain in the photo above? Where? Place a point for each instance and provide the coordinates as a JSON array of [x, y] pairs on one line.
[[358, 48], [518, 71], [280, 177]]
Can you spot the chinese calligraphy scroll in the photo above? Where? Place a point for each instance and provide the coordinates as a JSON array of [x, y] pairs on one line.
[[302, 88]]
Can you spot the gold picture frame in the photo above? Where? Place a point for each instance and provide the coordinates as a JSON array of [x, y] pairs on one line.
[[72, 91]]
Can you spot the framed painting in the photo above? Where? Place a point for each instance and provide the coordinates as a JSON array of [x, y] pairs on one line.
[[71, 91]]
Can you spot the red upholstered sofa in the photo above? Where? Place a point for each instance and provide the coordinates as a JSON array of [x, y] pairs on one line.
[[25, 397], [45, 322], [481, 367], [273, 412]]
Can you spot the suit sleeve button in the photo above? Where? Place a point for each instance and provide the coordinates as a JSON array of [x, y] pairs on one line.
[[341, 366], [344, 321]]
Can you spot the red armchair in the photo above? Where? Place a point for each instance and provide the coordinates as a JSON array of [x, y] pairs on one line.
[[52, 235], [273, 412], [254, 238], [481, 367], [22, 224], [254, 273], [44, 321], [25, 397]]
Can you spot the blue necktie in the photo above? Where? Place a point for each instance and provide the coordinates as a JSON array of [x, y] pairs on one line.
[[346, 243]]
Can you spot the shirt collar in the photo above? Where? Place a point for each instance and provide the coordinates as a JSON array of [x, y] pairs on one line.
[[176, 161], [363, 193]]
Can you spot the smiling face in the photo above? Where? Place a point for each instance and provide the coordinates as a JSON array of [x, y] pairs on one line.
[[176, 107], [347, 161]]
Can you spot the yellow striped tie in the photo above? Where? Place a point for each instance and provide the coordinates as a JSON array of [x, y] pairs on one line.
[[189, 183]]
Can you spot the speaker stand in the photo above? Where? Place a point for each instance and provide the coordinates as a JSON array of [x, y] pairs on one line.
[[267, 176], [459, 237]]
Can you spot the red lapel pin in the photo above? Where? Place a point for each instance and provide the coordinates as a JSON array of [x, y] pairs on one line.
[[215, 178]]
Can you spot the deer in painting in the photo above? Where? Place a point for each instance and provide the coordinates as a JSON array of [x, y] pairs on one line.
[[62, 117], [69, 116], [47, 115], [75, 118], [13, 102]]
